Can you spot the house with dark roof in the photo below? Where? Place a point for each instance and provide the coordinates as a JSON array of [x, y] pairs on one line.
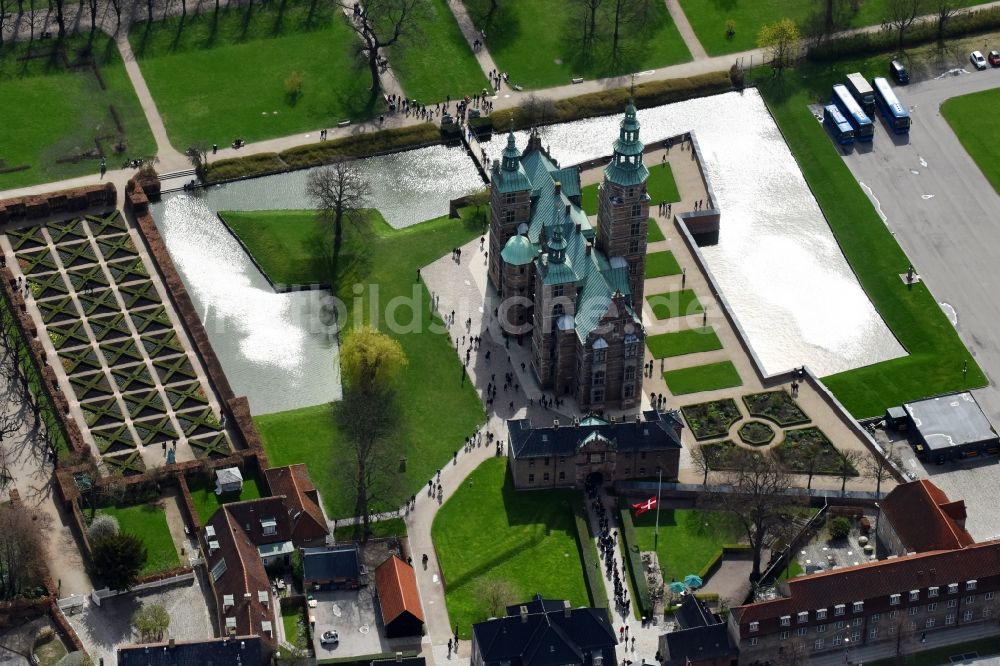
[[545, 632], [398, 598], [947, 582], [265, 522], [593, 448], [702, 638], [237, 651], [308, 524], [332, 568], [239, 583], [917, 517], [572, 287]]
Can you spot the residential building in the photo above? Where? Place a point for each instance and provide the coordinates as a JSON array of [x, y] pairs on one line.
[[308, 522], [594, 449], [917, 517], [545, 632], [572, 290], [266, 523], [399, 600], [241, 650], [701, 639]]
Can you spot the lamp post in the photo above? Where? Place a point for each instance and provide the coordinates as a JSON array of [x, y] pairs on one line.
[[878, 514]]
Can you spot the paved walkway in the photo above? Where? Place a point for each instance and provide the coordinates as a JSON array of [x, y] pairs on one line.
[[687, 32], [471, 34]]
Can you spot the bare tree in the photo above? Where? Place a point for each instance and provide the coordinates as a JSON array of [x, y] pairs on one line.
[[496, 594], [588, 19], [21, 550], [5, 15], [759, 501], [847, 466], [198, 157], [381, 24], [705, 459], [625, 14], [340, 192], [60, 16], [900, 16], [943, 11], [811, 455], [878, 467]]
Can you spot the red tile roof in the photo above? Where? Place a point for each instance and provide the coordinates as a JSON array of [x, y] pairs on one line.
[[877, 580], [292, 481], [924, 518], [397, 589]]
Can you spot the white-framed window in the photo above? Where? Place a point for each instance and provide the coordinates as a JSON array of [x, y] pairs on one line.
[[988, 596], [932, 591], [967, 616], [753, 641], [949, 618], [754, 626], [875, 618], [801, 631], [970, 585], [859, 606], [914, 595], [821, 614], [952, 603], [873, 633], [931, 608], [970, 599], [857, 621], [894, 599], [508, 216], [783, 636], [786, 620], [952, 588], [837, 640], [820, 628], [635, 228], [629, 373], [839, 609], [803, 617], [818, 645], [913, 610], [856, 636], [840, 625], [893, 615], [269, 526], [987, 611], [509, 198], [930, 622]]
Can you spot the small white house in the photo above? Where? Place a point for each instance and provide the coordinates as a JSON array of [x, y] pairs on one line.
[[228, 480]]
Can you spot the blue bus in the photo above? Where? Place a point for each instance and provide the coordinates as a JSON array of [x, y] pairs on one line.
[[893, 111], [864, 130], [838, 125]]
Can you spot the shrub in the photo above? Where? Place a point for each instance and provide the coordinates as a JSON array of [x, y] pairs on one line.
[[630, 544], [840, 527], [102, 526], [591, 567], [118, 559], [242, 167], [363, 144]]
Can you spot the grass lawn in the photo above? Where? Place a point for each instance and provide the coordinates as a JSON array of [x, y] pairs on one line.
[[149, 523], [215, 79], [972, 119], [50, 112], [489, 531], [702, 378], [708, 18], [675, 304], [293, 621], [437, 61], [659, 264], [382, 528], [941, 655], [653, 232], [660, 186], [206, 502], [689, 538], [679, 343], [386, 259], [936, 355], [538, 42]]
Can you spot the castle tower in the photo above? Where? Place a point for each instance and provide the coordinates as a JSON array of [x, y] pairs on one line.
[[623, 213], [553, 334], [510, 205]]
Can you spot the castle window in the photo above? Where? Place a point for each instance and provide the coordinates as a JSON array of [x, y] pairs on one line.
[[508, 216], [599, 378], [633, 247], [562, 476], [636, 209], [630, 349], [531, 478], [545, 477], [597, 396], [629, 391], [630, 373], [631, 191], [509, 198], [558, 310], [599, 355], [558, 290], [635, 229], [521, 270]]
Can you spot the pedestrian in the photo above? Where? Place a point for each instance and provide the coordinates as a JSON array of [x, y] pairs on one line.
[[418, 275]]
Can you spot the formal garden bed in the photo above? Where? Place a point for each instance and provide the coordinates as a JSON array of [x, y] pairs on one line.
[[777, 406], [709, 420], [756, 433], [807, 448], [722, 455]]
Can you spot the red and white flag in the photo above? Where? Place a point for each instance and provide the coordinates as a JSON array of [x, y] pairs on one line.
[[643, 507]]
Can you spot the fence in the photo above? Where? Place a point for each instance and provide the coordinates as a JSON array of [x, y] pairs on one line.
[[186, 574]]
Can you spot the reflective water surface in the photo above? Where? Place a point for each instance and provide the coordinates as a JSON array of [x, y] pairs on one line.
[[776, 261]]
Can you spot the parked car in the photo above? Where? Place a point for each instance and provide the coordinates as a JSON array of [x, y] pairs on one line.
[[977, 59], [994, 58], [329, 638], [898, 72]]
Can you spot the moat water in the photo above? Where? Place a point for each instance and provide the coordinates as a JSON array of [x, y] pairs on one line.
[[776, 261]]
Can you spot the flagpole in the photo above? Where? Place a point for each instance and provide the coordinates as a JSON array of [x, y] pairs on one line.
[[656, 533]]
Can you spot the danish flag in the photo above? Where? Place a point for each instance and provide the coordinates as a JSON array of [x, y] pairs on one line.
[[643, 507]]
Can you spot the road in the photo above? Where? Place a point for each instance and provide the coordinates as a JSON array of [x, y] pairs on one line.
[[944, 213]]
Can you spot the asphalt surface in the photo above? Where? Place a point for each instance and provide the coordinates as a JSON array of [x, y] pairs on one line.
[[946, 217]]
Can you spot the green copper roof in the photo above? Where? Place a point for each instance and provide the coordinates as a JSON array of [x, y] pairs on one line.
[[508, 174], [626, 167], [518, 251]]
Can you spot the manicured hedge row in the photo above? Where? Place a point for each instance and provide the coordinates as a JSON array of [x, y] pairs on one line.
[[591, 564], [630, 544]]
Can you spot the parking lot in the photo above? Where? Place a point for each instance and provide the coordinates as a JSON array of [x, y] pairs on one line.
[[355, 616]]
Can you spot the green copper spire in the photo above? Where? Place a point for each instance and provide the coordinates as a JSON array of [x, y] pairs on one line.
[[626, 167], [557, 246], [511, 155]]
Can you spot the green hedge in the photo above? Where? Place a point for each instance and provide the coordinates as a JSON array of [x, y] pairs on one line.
[[314, 154], [591, 562], [367, 659], [716, 561], [634, 560], [871, 43], [653, 93]]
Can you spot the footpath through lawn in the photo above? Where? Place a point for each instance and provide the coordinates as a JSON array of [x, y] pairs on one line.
[[54, 111], [438, 410], [936, 355], [976, 123], [488, 531]]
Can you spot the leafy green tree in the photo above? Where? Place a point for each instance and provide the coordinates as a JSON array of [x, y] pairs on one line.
[[151, 622], [780, 41], [118, 559]]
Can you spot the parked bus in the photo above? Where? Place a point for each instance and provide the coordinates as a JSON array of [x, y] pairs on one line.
[[838, 125], [864, 130], [893, 111], [863, 93]]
